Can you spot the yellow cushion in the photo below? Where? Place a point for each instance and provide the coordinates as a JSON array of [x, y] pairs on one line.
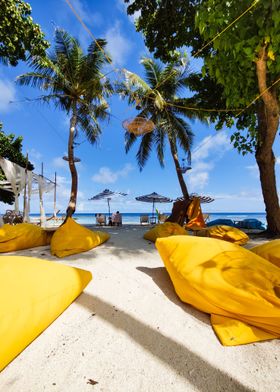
[[224, 279], [72, 238], [33, 294], [226, 233], [164, 230], [269, 251], [22, 236]]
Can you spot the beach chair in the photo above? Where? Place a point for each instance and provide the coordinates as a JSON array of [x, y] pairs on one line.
[[101, 220], [12, 217], [144, 219], [162, 218], [117, 219]]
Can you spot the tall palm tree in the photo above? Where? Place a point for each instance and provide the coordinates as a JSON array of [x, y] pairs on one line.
[[74, 83], [157, 99]]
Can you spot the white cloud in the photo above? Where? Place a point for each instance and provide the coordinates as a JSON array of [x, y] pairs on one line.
[[118, 45], [123, 7], [210, 150], [8, 93], [106, 176], [34, 154], [60, 163], [215, 145], [83, 11]]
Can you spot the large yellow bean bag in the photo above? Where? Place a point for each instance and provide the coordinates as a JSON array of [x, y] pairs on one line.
[[226, 233], [72, 238], [269, 251], [239, 289], [164, 230], [22, 236], [33, 294]]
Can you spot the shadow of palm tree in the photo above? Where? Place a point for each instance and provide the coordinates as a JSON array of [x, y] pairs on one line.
[[163, 281], [187, 364]]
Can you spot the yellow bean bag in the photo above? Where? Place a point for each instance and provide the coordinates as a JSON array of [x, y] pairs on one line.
[[164, 230], [22, 236], [33, 294], [269, 251], [226, 233], [239, 289], [71, 238]]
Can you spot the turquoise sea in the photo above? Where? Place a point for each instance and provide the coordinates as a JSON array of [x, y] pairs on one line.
[[134, 218]]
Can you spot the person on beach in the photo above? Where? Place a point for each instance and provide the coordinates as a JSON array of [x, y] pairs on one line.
[[117, 219]]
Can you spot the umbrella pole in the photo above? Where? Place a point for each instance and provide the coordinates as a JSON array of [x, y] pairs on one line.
[[153, 208], [108, 201]]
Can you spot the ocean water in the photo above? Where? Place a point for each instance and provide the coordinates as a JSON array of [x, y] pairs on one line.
[[134, 217]]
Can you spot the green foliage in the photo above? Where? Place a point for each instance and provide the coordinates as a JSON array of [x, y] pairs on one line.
[[71, 80], [11, 148], [161, 87], [18, 33], [228, 78]]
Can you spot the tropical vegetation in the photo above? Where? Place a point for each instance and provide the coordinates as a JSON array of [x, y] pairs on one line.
[[158, 100], [74, 83], [241, 70], [20, 37]]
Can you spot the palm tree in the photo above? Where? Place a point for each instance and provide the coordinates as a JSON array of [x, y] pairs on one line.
[[74, 83], [157, 99]]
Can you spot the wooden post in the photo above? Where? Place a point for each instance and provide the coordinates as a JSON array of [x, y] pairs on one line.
[[25, 212], [54, 197]]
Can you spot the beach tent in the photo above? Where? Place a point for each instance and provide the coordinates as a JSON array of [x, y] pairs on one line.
[[107, 194], [19, 179], [154, 198]]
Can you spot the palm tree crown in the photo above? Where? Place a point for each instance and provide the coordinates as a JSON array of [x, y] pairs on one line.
[[73, 81], [158, 99]]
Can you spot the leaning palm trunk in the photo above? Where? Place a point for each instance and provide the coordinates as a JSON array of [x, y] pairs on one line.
[[268, 121], [178, 170], [74, 176]]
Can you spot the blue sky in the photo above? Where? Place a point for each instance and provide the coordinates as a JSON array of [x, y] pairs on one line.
[[217, 169]]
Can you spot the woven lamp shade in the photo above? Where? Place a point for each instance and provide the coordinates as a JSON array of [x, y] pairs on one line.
[[138, 125]]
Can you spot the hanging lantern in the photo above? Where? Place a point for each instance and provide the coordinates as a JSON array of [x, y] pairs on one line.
[[138, 125]]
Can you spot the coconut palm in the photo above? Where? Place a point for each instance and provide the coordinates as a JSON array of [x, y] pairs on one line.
[[157, 99], [74, 83]]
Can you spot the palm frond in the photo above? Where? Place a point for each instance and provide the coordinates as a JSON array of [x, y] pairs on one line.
[[129, 140], [144, 150], [153, 71]]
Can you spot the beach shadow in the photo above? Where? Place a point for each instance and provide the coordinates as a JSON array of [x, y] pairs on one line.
[[187, 364], [163, 281]]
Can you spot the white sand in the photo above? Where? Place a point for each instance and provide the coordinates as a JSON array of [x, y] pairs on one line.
[[129, 332]]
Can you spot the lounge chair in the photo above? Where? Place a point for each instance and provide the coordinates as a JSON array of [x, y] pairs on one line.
[[117, 219], [144, 219], [12, 217], [162, 218], [101, 220]]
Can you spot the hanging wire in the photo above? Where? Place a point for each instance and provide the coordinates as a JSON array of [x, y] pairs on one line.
[[117, 71], [43, 116], [258, 96], [255, 2]]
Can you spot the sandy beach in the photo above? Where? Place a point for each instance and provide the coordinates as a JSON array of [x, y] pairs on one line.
[[128, 331]]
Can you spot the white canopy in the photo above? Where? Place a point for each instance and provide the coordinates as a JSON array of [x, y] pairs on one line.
[[18, 179]]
